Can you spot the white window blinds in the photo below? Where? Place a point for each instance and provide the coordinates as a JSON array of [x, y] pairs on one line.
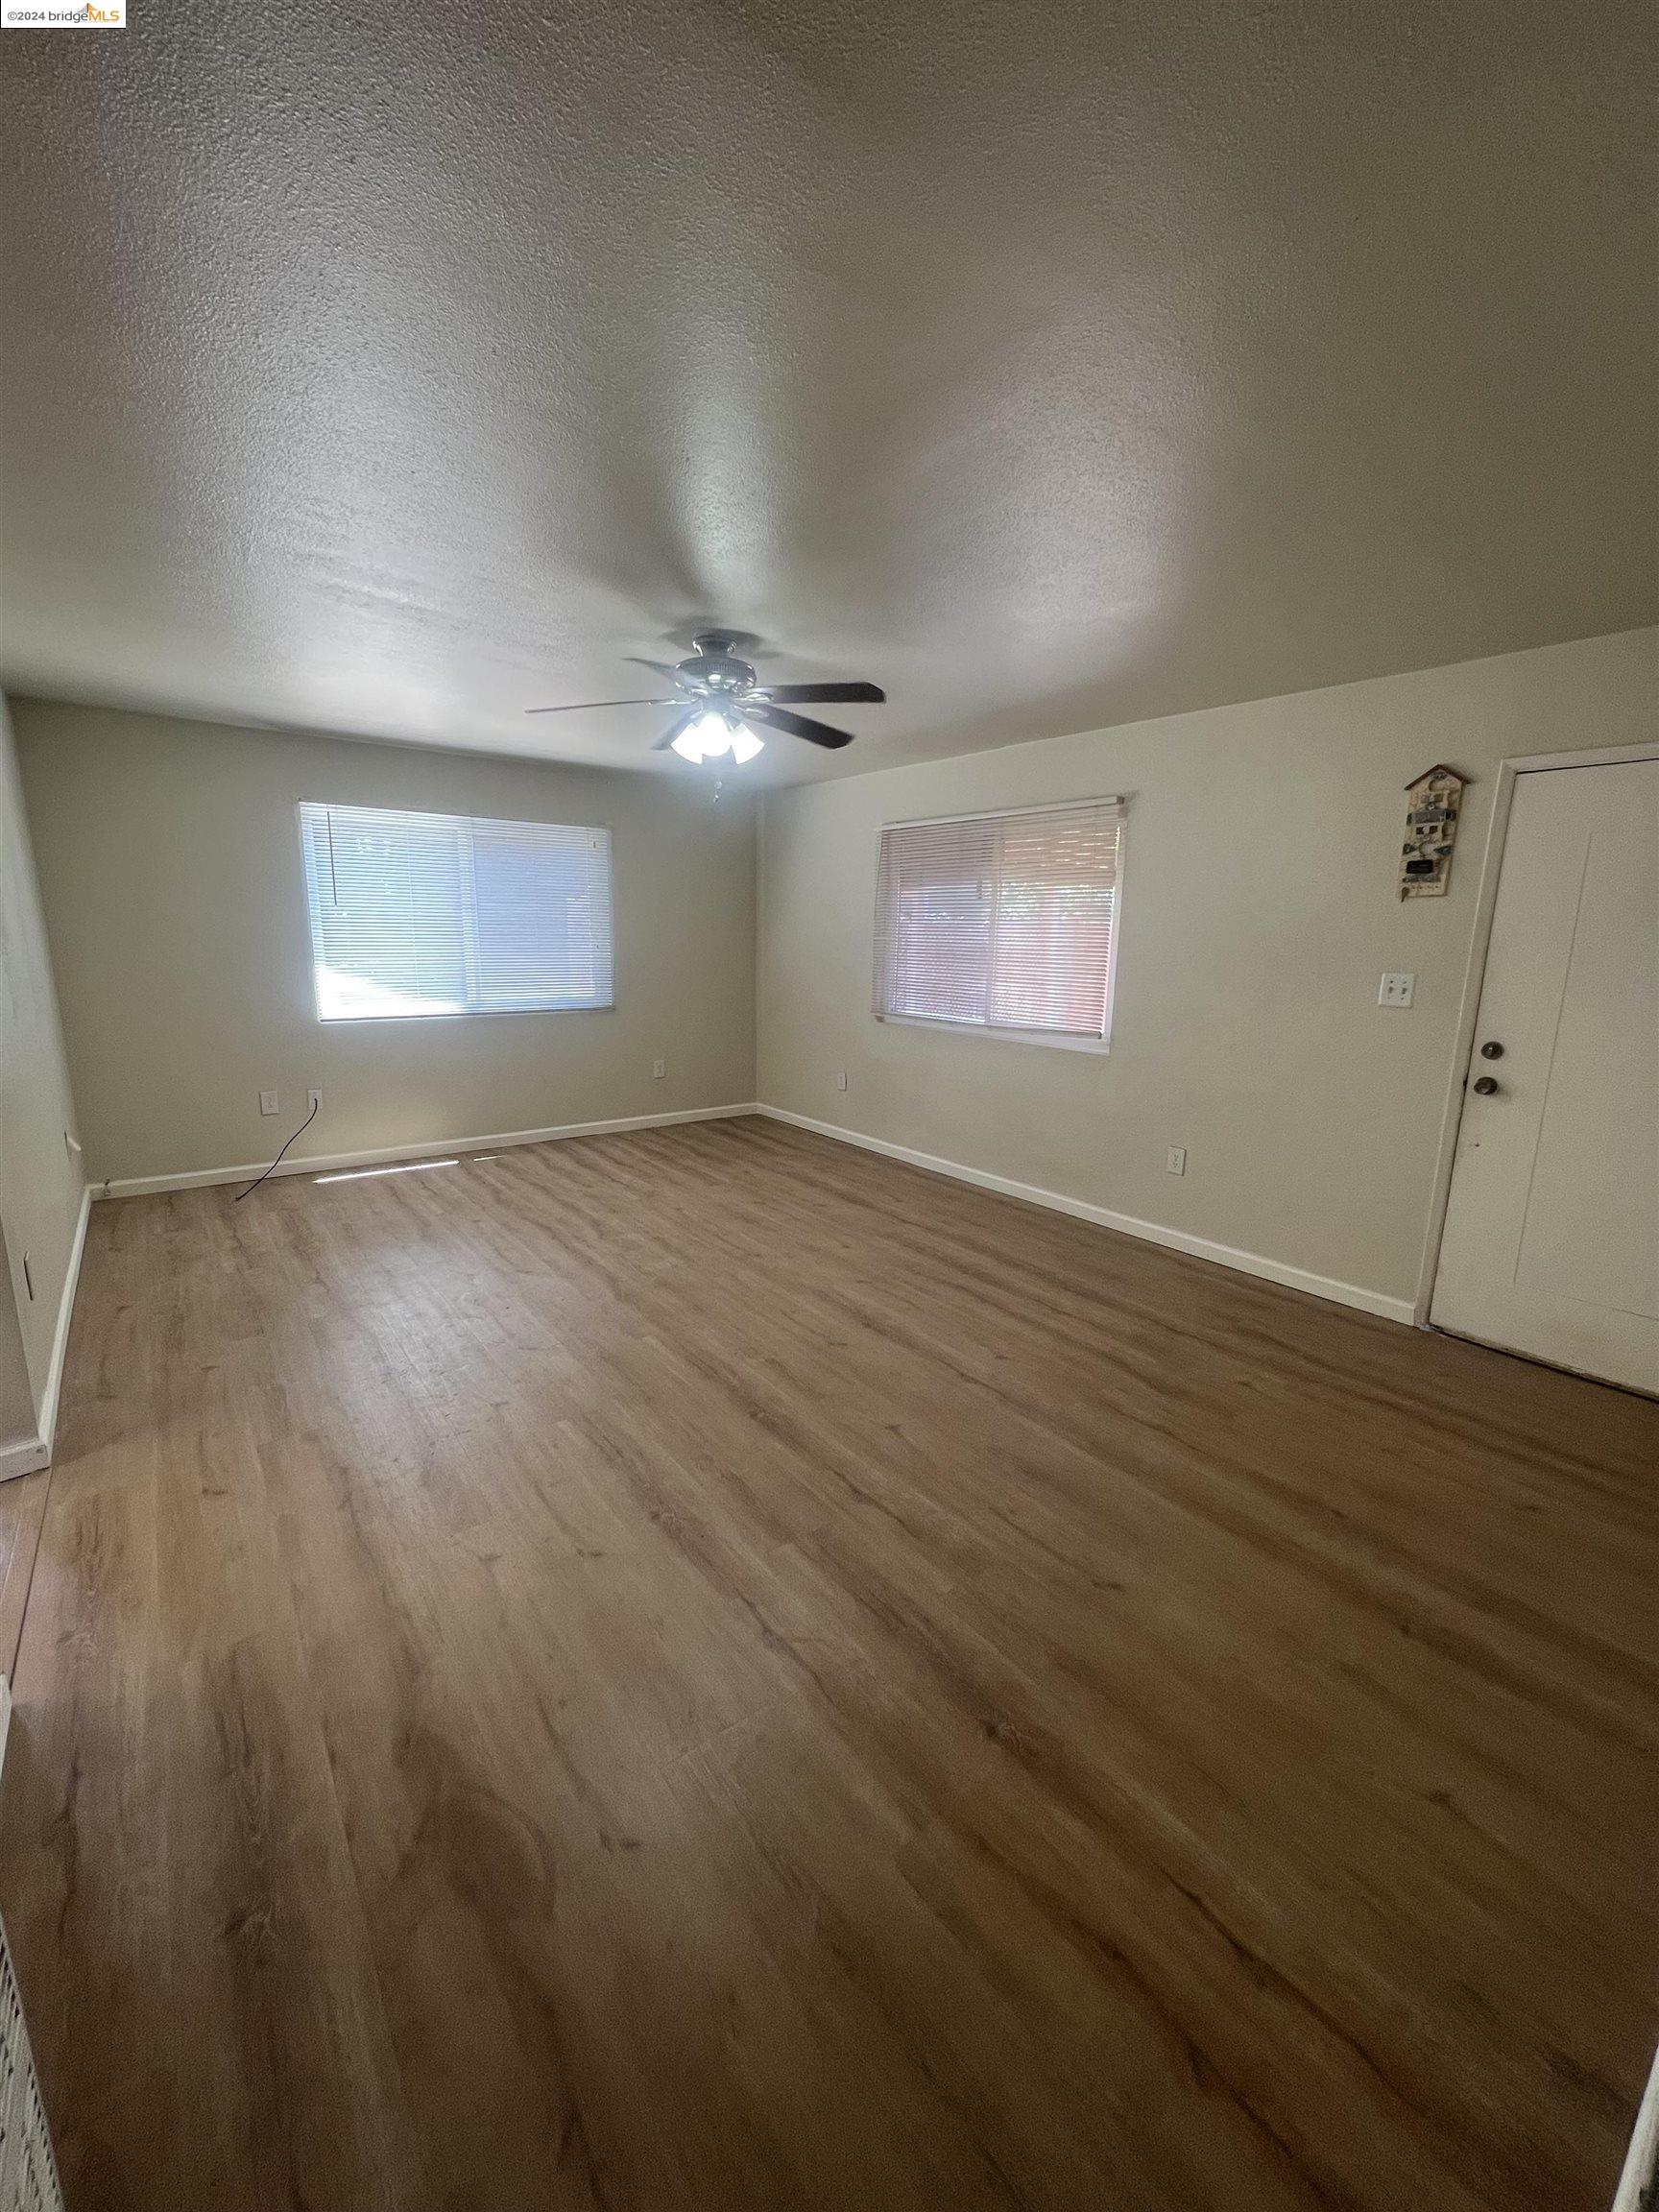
[[423, 914], [1002, 922]]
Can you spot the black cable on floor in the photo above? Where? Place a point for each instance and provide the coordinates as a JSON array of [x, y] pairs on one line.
[[277, 1162]]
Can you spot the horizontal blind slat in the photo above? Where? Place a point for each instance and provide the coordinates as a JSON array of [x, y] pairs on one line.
[[1000, 921]]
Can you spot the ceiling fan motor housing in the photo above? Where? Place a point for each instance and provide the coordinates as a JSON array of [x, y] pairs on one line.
[[714, 666]]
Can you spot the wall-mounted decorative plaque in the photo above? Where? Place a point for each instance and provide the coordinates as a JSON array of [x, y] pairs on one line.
[[1432, 807]]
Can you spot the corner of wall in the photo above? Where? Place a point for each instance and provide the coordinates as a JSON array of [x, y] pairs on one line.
[[43, 1192]]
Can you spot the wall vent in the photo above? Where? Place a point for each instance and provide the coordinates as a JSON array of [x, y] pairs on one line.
[[28, 2172]]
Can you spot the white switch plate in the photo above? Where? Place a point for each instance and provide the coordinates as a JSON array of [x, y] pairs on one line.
[[659, 1068], [1175, 1159], [840, 1078], [269, 1103], [1396, 990]]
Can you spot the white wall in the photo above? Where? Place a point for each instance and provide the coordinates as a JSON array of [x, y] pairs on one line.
[[41, 1181], [1259, 910], [169, 856]]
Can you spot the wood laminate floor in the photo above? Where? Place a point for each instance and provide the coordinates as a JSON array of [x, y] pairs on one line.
[[706, 1669]]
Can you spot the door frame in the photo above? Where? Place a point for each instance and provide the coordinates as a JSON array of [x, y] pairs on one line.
[[1475, 976]]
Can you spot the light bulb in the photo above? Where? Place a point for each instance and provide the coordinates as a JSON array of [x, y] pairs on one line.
[[689, 745], [745, 744], [713, 735]]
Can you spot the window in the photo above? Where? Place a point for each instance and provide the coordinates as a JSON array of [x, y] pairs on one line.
[[1002, 923], [421, 914]]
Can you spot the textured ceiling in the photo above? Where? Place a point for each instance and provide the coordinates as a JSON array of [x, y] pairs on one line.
[[392, 368]]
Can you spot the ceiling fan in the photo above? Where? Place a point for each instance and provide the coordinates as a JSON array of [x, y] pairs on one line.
[[720, 701]]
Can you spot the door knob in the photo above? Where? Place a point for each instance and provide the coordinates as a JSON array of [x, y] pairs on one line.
[[1484, 1086], [1492, 1050]]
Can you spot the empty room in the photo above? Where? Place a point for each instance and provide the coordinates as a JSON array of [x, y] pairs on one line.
[[829, 1106]]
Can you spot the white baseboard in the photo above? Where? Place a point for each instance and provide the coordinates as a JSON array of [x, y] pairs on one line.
[[33, 1452], [1152, 1231], [324, 1162], [60, 1335], [1639, 2184]]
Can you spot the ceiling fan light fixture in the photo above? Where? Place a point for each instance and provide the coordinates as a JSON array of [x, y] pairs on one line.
[[715, 735]]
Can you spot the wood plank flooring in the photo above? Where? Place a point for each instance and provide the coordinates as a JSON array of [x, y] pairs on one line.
[[706, 1669], [22, 1507]]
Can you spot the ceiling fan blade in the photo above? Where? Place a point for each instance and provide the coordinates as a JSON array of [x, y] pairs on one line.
[[871, 693], [658, 668], [583, 705], [794, 725], [679, 726]]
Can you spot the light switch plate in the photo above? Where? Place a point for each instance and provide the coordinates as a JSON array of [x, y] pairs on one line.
[[1175, 1159], [1396, 990], [840, 1078], [659, 1068], [267, 1102]]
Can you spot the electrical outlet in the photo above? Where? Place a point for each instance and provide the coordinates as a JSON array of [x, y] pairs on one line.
[[313, 1101], [1175, 1159], [840, 1078], [659, 1068], [1396, 990], [269, 1103]]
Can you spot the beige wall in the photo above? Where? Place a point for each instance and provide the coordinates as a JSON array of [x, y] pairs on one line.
[[40, 1182], [1259, 910], [169, 858]]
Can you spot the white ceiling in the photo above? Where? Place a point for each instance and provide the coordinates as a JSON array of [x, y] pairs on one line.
[[392, 370]]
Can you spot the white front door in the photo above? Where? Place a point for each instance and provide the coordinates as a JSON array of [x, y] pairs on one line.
[[1551, 1243]]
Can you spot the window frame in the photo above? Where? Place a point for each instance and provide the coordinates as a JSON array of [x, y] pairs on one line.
[[1052, 1039], [466, 917]]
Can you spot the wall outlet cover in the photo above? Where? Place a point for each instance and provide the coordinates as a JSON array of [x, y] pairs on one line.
[[313, 1101]]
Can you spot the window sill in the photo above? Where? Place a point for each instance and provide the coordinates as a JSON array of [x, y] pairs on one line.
[[1052, 1039], [459, 1014]]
